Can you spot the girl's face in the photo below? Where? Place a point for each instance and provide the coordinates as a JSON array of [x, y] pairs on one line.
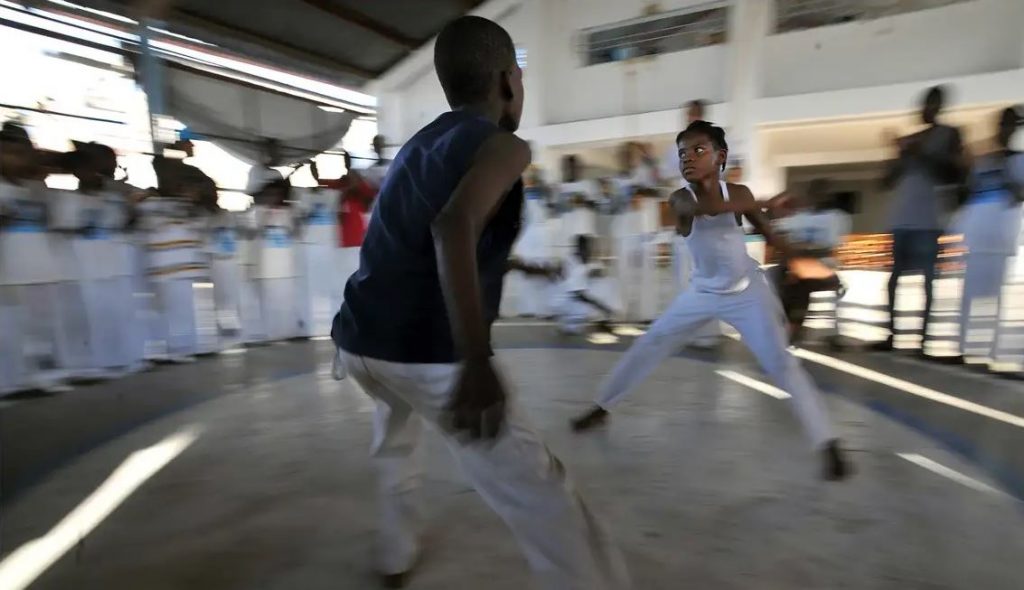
[[698, 158]]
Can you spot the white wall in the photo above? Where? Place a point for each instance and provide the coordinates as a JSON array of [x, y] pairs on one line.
[[573, 92], [957, 40], [872, 69]]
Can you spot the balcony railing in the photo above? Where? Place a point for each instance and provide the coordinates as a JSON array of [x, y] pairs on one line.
[[794, 15]]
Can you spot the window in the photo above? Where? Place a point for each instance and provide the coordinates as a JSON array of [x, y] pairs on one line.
[[794, 15], [665, 32]]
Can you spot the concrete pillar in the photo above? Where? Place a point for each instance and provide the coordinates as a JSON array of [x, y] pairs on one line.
[[749, 24], [151, 70]]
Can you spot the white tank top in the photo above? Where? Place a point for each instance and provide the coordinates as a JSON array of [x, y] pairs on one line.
[[718, 246]]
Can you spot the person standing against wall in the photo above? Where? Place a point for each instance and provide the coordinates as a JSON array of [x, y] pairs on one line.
[[929, 163], [990, 223]]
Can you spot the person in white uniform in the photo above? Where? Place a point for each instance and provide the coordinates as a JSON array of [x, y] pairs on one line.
[[316, 213], [580, 198], [100, 262], [580, 306], [174, 262], [275, 271], [634, 232], [534, 293], [990, 222], [29, 275], [119, 204], [728, 285], [226, 272]]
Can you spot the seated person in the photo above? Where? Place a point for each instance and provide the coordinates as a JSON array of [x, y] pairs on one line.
[[579, 306]]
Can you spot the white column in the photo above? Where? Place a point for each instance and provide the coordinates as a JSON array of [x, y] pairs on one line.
[[749, 24]]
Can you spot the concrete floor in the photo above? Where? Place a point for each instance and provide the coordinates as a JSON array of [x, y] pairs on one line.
[[706, 482]]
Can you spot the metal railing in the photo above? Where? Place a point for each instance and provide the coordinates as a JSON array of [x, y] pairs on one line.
[[667, 32], [795, 15]]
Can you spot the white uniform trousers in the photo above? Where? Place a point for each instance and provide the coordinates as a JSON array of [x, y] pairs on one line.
[[277, 307], [254, 327], [29, 337], [756, 313], [565, 546], [227, 294], [176, 307], [104, 314], [984, 275]]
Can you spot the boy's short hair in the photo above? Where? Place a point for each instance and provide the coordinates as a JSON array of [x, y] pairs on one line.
[[468, 53]]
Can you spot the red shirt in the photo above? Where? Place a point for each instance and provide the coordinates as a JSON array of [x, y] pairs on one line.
[[356, 197]]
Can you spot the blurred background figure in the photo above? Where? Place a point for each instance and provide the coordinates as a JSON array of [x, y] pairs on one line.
[[580, 305], [634, 231], [814, 228], [355, 196], [990, 222], [534, 294], [375, 173], [30, 273], [265, 173], [929, 165]]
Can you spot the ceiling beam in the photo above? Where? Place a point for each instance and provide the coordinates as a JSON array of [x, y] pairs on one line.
[[203, 22], [364, 22]]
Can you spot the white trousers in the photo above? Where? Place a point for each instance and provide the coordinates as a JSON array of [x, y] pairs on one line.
[[104, 314], [316, 292], [565, 546], [254, 327], [984, 275], [277, 306], [177, 311], [30, 343], [756, 313], [227, 295], [130, 327]]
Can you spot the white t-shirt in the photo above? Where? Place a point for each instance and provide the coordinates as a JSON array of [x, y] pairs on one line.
[[174, 241], [275, 251], [222, 236], [26, 257], [319, 209], [97, 255]]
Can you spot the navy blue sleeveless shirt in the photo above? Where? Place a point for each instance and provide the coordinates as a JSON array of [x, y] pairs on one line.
[[394, 308]]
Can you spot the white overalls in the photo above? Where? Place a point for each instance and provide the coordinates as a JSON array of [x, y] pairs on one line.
[[726, 285]]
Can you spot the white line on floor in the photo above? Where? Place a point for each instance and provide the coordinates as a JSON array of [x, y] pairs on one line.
[[28, 562], [908, 387], [754, 384], [950, 473], [905, 386]]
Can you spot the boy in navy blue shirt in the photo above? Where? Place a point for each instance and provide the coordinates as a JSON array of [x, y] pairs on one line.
[[414, 331]]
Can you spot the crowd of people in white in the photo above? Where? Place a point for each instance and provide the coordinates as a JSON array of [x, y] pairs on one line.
[[106, 279]]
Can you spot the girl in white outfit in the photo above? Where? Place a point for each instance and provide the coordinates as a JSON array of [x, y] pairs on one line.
[[726, 285], [990, 223]]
